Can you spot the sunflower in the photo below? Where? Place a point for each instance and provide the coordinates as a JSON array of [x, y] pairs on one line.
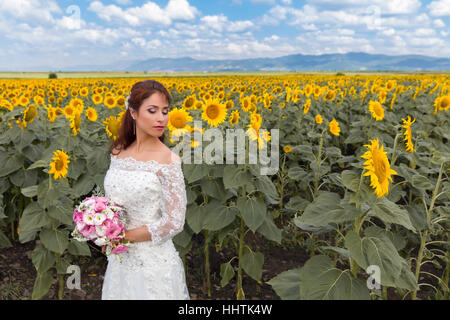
[[407, 125], [256, 118], [441, 103], [29, 114], [51, 114], [334, 127], [84, 91], [110, 102], [306, 106], [234, 117], [331, 94], [246, 104], [229, 104], [69, 111], [75, 122], [23, 101], [319, 119], [59, 112], [214, 112], [178, 118], [382, 95], [58, 167], [91, 114], [97, 98], [391, 84], [189, 102], [287, 149], [6, 104], [112, 126], [192, 130], [377, 110], [378, 168], [308, 90], [77, 104]]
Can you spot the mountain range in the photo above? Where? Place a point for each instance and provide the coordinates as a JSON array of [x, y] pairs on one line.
[[352, 61]]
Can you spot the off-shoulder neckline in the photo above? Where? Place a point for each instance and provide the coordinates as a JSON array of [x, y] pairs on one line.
[[115, 157]]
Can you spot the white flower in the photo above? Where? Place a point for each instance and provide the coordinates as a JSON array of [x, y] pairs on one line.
[[101, 231], [89, 203], [88, 219], [80, 226], [109, 213], [99, 218], [100, 242]]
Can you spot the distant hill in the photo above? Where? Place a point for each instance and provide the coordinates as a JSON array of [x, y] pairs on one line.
[[353, 61]]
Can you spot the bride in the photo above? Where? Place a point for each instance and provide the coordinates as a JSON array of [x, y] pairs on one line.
[[146, 178]]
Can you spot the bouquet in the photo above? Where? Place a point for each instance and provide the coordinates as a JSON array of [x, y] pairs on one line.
[[100, 220]]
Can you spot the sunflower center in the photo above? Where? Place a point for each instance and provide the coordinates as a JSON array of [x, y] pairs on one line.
[[59, 164], [380, 166], [212, 111], [179, 122], [378, 110]]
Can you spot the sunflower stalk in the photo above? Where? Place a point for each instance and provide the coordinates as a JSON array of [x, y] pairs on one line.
[[394, 151], [423, 237]]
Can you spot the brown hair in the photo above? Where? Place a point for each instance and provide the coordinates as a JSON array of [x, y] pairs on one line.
[[139, 92]]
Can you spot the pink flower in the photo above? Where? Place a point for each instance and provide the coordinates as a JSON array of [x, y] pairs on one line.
[[77, 216], [102, 200], [113, 231], [99, 206], [119, 249], [87, 230]]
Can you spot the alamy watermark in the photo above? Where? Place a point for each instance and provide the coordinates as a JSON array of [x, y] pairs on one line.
[[222, 144]]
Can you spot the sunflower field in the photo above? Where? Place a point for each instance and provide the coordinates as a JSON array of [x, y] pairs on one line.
[[362, 181]]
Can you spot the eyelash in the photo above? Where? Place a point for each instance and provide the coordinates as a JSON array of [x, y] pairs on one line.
[[155, 111]]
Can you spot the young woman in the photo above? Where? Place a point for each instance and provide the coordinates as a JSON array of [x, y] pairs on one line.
[[146, 178]]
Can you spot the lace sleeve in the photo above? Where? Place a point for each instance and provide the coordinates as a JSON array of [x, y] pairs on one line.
[[173, 208]]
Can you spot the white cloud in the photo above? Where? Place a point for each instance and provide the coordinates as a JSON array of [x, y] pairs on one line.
[[148, 13], [439, 8], [385, 7], [221, 23], [438, 23], [30, 10]]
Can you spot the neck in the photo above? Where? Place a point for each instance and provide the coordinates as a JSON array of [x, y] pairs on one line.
[[145, 142]]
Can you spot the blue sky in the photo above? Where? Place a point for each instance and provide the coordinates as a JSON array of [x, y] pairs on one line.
[[51, 33]]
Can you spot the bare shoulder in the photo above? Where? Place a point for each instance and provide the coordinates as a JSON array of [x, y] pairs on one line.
[[173, 157]]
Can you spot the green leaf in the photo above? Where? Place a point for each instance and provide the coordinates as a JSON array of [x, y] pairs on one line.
[[33, 217], [322, 281], [269, 230], [397, 240], [195, 217], [234, 177], [287, 284], [42, 258], [226, 273], [213, 188], [297, 173], [378, 251], [195, 172], [30, 191], [389, 212], [218, 216], [297, 203], [13, 164], [55, 240], [4, 241], [83, 185], [328, 208], [265, 185], [253, 211], [351, 179], [421, 182], [61, 213], [42, 284], [78, 248], [252, 263], [38, 164]]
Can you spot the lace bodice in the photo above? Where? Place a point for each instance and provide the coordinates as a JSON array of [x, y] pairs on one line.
[[152, 193]]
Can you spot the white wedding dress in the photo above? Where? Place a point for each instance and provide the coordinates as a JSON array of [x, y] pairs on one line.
[[153, 195]]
